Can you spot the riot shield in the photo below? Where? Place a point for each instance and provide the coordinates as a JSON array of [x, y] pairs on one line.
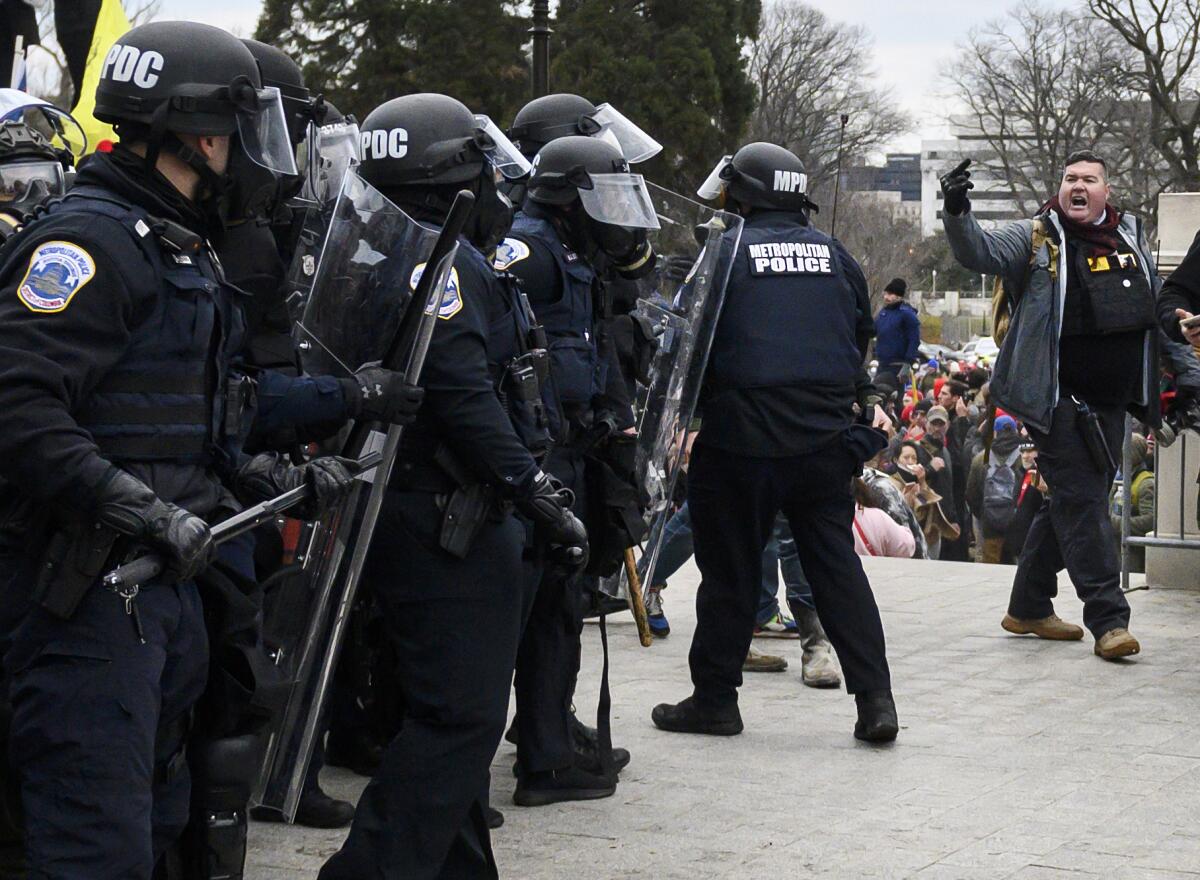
[[359, 290], [339, 548], [370, 252], [685, 313]]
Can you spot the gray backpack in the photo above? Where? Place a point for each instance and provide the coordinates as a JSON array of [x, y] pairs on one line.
[[1000, 492]]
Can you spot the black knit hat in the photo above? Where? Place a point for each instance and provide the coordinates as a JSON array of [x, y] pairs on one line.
[[897, 286]]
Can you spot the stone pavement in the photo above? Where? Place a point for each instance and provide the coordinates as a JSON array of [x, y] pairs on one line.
[[1016, 758]]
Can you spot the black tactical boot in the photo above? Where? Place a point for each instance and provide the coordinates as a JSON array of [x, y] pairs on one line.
[[687, 717], [315, 810], [876, 717], [554, 786], [493, 817]]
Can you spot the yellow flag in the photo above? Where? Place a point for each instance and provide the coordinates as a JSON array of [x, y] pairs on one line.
[[111, 25]]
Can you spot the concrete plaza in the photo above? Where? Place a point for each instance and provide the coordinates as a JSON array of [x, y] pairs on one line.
[[1016, 758]]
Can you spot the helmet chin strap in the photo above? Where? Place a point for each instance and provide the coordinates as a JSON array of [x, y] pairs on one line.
[[161, 140]]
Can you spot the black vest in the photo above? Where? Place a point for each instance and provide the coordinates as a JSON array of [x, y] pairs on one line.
[[1108, 294], [789, 315], [177, 394], [579, 372]]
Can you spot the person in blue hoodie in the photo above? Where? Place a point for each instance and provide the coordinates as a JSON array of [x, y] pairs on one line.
[[897, 328]]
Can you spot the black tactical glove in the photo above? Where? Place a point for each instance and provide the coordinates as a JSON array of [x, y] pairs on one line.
[[954, 189], [269, 475], [549, 506], [676, 267], [382, 395], [129, 506]]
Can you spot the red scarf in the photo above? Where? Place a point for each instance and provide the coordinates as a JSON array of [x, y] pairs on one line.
[[1102, 236]]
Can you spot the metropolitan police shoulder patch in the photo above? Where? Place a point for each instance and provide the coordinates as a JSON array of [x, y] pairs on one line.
[[511, 250], [452, 302], [57, 271]]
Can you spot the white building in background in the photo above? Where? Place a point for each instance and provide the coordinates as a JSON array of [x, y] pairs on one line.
[[991, 199]]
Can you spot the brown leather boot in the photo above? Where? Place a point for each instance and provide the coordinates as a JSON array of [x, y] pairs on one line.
[[1052, 627], [1116, 643], [756, 661]]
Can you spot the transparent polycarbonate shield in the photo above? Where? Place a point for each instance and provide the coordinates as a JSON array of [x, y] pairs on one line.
[[711, 188], [501, 152], [620, 200], [57, 125], [636, 145], [358, 283], [685, 312], [263, 132], [335, 566], [327, 153]]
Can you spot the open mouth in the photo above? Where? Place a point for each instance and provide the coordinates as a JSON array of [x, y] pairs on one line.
[[1079, 201]]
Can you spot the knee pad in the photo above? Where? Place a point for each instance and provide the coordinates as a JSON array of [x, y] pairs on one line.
[[223, 771], [223, 774]]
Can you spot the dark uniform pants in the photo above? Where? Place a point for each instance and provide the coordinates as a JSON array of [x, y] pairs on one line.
[[99, 723], [455, 624], [1072, 528], [734, 500], [549, 656]]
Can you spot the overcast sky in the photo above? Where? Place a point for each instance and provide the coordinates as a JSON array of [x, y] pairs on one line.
[[912, 37]]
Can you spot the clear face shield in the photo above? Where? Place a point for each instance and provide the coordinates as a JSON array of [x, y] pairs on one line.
[[263, 131], [58, 126], [714, 184], [30, 182], [635, 145], [501, 152], [327, 153], [619, 199]]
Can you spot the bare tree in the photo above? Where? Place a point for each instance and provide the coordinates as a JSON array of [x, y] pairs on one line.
[[1040, 83], [1165, 37], [808, 71], [885, 243]]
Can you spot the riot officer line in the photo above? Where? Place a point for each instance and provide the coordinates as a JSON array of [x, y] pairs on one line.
[[248, 294]]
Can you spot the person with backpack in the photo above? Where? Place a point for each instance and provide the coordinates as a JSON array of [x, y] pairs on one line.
[[992, 488], [1076, 318]]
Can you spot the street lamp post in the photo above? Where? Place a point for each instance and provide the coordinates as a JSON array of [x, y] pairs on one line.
[[541, 47]]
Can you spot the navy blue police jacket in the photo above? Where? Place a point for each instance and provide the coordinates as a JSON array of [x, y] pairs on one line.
[[562, 285], [292, 407], [469, 405], [116, 347], [785, 369]]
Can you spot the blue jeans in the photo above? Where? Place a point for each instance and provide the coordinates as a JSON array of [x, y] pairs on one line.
[[780, 551]]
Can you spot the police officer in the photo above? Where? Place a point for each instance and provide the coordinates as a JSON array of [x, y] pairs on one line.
[[580, 193], [119, 344], [446, 562], [779, 433], [37, 144], [34, 156]]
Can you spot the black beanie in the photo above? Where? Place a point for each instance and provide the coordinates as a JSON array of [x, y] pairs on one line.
[[897, 286]]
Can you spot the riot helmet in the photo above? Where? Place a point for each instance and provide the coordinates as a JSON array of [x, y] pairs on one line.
[[302, 112], [279, 71], [586, 184], [759, 175], [550, 117], [37, 146], [419, 150], [167, 78]]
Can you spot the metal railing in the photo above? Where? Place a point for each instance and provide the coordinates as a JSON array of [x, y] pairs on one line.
[[1129, 541]]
